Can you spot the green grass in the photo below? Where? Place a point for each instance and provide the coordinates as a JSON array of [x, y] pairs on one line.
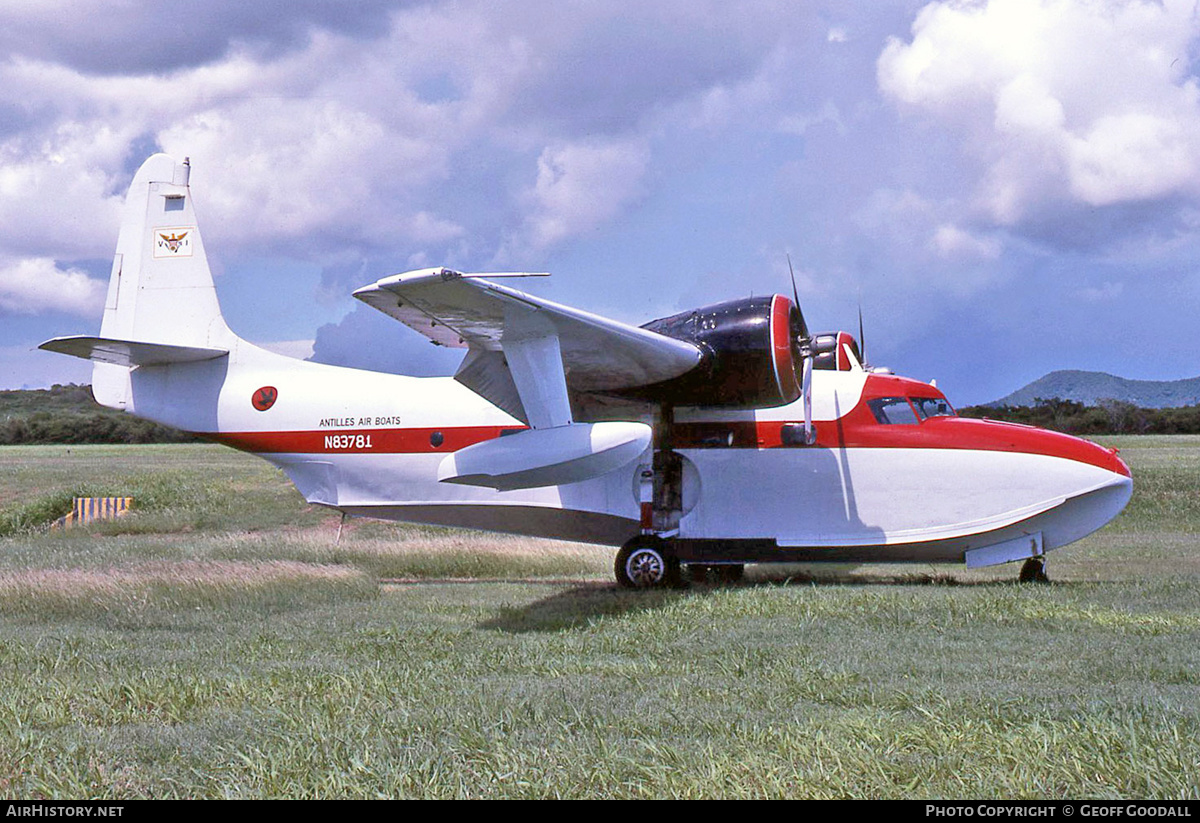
[[219, 642]]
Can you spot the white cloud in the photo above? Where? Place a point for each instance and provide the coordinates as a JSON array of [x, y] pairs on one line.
[[338, 139], [37, 285], [578, 187], [799, 124], [299, 349], [954, 242], [1062, 100]]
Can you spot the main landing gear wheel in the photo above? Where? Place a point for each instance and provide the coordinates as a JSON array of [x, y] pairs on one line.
[[646, 563], [1033, 570]]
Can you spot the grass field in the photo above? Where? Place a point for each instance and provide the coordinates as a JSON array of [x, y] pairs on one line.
[[221, 643]]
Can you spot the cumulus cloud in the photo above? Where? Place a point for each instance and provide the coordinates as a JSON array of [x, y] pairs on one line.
[[393, 348], [578, 187], [37, 285], [1062, 101], [955, 242], [101, 36], [299, 349], [362, 141], [386, 129]]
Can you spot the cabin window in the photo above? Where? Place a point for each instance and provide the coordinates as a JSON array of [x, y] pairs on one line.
[[893, 411], [932, 407]]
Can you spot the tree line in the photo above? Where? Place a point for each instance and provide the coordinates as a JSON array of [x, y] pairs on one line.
[[68, 414], [1105, 417]]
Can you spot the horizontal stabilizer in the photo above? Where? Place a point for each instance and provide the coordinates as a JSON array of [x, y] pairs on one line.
[[547, 457], [128, 352]]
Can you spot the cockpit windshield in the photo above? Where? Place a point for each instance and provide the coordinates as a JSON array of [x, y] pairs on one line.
[[909, 411], [932, 407], [893, 411]]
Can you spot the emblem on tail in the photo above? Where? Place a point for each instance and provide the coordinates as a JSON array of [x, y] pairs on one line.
[[173, 243]]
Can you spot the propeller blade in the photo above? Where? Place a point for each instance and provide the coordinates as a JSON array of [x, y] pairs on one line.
[[862, 337], [803, 334]]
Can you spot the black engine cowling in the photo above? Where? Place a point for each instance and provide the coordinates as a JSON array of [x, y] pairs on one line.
[[750, 354]]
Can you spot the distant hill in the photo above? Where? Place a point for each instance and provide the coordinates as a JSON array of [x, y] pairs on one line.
[[1090, 387]]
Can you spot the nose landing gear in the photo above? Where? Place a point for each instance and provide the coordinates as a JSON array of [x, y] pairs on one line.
[[1033, 570]]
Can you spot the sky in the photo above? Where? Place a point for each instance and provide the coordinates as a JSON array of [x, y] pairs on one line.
[[1005, 187]]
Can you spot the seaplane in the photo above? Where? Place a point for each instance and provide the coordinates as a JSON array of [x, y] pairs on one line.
[[693, 444]]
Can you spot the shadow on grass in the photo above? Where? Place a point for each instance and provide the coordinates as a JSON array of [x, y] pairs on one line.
[[581, 605], [839, 578]]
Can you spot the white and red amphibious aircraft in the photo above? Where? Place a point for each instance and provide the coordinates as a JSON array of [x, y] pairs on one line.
[[714, 438]]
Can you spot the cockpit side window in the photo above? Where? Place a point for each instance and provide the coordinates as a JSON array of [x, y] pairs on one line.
[[893, 411], [932, 407]]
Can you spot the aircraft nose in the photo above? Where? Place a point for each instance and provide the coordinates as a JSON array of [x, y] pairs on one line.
[[1032, 440], [1092, 498]]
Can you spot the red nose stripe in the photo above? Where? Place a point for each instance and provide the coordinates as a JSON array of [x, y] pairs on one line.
[[953, 433]]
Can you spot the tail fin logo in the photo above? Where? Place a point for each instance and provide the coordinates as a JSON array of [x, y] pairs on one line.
[[264, 398], [173, 242]]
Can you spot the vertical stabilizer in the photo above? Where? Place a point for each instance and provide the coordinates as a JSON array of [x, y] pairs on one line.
[[161, 289]]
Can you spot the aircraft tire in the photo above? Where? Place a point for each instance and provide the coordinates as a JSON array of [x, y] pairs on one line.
[[644, 562], [1033, 570]]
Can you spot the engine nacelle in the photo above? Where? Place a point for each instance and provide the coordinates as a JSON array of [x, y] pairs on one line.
[[749, 360], [830, 351]]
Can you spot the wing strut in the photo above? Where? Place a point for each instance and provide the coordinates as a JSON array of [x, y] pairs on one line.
[[556, 450], [537, 369]]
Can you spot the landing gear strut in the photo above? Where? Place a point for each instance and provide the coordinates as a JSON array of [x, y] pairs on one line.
[[1033, 570], [646, 560]]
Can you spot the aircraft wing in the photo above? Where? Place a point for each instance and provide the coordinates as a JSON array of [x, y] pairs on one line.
[[523, 347]]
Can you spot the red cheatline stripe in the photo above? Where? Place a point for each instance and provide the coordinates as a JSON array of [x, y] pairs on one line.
[[857, 429], [935, 433]]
